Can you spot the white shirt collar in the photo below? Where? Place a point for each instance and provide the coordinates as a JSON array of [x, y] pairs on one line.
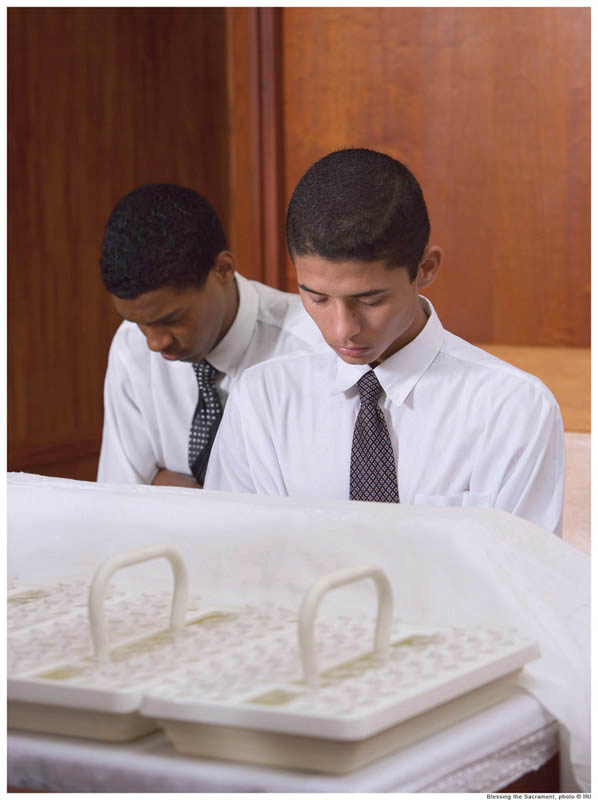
[[399, 373], [229, 351]]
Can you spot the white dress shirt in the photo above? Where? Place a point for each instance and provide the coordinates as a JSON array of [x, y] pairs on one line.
[[149, 402], [467, 429]]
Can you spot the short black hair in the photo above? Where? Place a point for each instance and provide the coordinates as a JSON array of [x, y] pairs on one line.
[[159, 235], [358, 204]]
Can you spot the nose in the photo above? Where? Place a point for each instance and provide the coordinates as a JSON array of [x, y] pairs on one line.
[[157, 339], [347, 323]]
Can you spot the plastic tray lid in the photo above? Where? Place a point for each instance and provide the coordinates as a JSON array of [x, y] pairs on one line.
[[65, 638], [31, 605], [276, 678]]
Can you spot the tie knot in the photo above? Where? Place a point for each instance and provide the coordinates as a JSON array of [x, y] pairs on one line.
[[205, 373], [369, 388]]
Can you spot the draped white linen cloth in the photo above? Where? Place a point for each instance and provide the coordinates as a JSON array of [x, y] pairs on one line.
[[479, 754], [447, 566]]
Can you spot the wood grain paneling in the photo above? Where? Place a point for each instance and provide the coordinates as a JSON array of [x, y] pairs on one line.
[[489, 106], [490, 109], [99, 101], [256, 142], [272, 144], [243, 140]]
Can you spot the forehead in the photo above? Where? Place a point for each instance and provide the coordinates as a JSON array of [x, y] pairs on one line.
[[347, 277], [152, 306]]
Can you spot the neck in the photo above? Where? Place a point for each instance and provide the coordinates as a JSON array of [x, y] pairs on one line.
[[231, 308], [416, 327]]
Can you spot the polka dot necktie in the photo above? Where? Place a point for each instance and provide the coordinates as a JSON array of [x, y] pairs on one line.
[[373, 469], [205, 420]]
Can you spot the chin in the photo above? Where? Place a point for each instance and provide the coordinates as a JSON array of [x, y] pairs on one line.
[[355, 359]]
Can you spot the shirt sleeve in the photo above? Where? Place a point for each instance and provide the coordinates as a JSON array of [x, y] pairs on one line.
[[521, 459], [126, 455], [228, 467], [244, 457]]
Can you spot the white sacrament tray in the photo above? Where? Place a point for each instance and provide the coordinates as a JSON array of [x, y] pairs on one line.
[[320, 697], [260, 684], [65, 677]]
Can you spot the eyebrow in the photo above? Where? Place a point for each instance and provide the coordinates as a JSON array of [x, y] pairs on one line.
[[166, 317], [359, 294]]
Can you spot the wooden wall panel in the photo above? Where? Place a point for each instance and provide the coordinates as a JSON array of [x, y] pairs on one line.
[[99, 101], [243, 139], [490, 109], [256, 142]]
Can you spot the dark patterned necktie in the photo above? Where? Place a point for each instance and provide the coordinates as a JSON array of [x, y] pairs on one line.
[[373, 469], [205, 420]]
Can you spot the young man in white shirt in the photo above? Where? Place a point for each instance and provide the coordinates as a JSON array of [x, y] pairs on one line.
[[448, 423], [191, 326]]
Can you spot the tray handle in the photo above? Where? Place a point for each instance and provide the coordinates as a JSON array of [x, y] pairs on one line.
[[311, 602], [105, 571]]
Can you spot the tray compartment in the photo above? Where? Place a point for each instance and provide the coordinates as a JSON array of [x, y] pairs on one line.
[[100, 725]]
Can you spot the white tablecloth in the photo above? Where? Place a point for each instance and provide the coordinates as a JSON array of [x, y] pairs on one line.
[[481, 754], [446, 565]]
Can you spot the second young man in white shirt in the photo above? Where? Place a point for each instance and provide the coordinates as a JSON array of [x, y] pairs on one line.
[[166, 263]]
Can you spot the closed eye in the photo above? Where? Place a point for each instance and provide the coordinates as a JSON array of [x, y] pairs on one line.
[[170, 319], [368, 300]]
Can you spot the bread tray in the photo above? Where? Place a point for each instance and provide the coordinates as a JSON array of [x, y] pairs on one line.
[[63, 674], [317, 695], [256, 684]]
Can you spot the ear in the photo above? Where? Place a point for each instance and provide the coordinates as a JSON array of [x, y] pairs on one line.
[[224, 267], [429, 266]]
